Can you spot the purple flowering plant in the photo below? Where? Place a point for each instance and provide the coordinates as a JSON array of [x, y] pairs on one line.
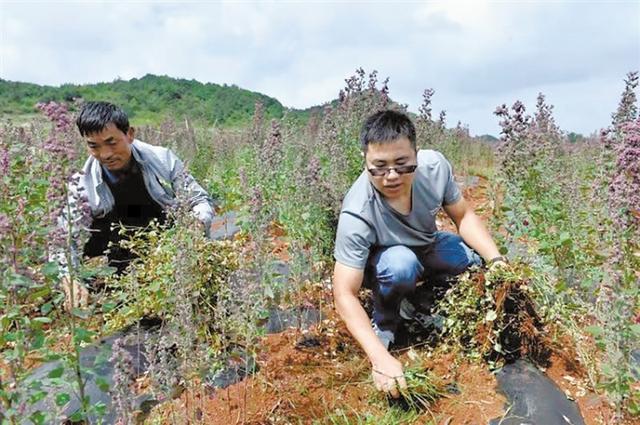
[[575, 219], [37, 163]]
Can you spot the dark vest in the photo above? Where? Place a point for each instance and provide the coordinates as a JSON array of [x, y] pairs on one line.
[[134, 208]]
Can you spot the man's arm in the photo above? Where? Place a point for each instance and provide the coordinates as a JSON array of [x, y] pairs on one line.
[[387, 370], [199, 200], [67, 255], [472, 229]]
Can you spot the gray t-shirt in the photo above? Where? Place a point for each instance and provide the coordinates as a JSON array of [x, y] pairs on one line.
[[367, 221]]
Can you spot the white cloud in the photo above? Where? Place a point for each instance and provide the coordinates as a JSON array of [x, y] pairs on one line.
[[476, 55]]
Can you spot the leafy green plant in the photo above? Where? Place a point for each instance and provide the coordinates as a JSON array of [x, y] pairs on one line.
[[493, 315], [36, 163], [423, 389], [149, 287], [568, 208]]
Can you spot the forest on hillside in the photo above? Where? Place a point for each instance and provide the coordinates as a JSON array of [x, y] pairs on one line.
[[147, 100]]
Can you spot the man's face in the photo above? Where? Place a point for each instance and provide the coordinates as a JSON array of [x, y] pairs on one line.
[[111, 147], [381, 155]]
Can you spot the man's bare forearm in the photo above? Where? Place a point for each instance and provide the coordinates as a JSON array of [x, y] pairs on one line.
[[474, 232], [354, 316]]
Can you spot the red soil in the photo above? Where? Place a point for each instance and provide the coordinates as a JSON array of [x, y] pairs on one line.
[[303, 385], [300, 385]]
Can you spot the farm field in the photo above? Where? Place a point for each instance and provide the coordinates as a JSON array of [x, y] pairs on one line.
[[242, 329]]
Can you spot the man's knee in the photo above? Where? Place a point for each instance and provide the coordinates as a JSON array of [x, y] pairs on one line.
[[452, 255], [397, 268]]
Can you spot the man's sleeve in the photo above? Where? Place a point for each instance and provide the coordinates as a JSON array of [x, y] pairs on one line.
[[185, 184], [451, 192], [354, 239], [69, 222]]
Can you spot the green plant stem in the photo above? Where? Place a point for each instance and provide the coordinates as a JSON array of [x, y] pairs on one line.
[[71, 318]]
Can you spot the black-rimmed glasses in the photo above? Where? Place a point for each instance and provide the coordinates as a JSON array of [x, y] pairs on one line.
[[400, 169]]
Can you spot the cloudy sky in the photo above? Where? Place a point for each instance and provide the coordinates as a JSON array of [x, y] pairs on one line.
[[476, 55]]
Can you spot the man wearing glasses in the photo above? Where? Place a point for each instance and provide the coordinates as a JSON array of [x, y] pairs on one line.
[[387, 237]]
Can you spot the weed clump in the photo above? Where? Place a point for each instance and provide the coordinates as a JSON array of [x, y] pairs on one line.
[[492, 315], [150, 288], [423, 389]]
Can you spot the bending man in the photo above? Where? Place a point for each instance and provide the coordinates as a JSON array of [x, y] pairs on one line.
[[126, 182], [387, 237]]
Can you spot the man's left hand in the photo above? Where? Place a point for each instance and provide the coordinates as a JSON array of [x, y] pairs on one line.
[[497, 263]]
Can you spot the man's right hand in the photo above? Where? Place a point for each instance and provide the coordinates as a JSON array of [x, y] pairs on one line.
[[80, 294], [389, 377], [387, 370]]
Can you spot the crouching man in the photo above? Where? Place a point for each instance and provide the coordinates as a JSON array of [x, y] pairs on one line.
[[387, 237], [125, 182]]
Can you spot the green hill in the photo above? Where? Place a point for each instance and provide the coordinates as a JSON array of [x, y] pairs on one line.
[[148, 99], [488, 138]]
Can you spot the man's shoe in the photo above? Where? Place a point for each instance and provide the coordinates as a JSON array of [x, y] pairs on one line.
[[386, 337], [407, 310], [409, 313], [428, 321]]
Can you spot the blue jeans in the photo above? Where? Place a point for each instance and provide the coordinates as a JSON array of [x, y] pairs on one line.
[[392, 272]]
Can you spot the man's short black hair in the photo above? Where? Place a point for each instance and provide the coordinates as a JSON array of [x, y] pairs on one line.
[[387, 126], [95, 116]]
